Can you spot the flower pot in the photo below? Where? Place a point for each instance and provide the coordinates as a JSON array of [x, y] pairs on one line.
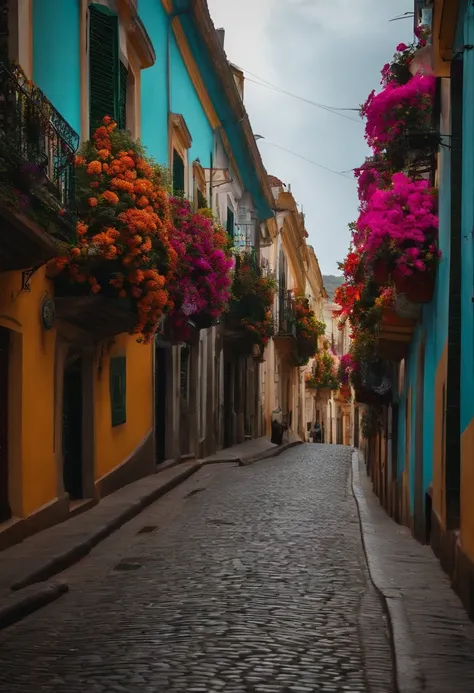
[[381, 272], [418, 288], [256, 352], [390, 317]]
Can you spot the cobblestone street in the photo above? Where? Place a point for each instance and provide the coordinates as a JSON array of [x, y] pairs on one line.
[[242, 579]]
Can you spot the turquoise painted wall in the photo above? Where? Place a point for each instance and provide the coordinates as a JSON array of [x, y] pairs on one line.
[[467, 259], [433, 330], [184, 99], [232, 126], [56, 56]]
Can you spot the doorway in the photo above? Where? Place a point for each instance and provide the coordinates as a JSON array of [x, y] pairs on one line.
[[160, 404], [73, 429], [228, 418], [5, 510]]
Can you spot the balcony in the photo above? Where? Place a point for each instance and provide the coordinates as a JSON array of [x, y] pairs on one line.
[[285, 329], [394, 336], [374, 384], [97, 316], [37, 191]]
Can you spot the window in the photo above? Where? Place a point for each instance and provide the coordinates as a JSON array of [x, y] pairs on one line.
[[118, 390], [108, 76], [180, 141], [230, 222], [178, 174], [199, 187]]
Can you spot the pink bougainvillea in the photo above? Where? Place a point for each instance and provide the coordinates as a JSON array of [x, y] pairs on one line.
[[346, 366], [371, 176], [398, 70], [201, 283], [401, 221], [397, 107]]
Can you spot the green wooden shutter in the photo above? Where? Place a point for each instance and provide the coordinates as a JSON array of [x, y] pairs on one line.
[[104, 73], [122, 116], [230, 222], [118, 389], [178, 174]]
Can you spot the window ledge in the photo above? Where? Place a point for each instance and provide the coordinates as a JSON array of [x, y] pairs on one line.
[[137, 34]]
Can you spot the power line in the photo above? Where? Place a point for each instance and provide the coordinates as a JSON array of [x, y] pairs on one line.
[[330, 109], [274, 86], [315, 163]]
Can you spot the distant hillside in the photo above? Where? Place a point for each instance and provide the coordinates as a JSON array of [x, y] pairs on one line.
[[331, 282]]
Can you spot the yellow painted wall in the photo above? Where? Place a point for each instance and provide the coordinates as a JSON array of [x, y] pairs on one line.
[[114, 444], [438, 499], [31, 405], [467, 484]]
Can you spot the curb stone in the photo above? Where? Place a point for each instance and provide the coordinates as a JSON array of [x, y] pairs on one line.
[[19, 605], [273, 452], [407, 674], [29, 596], [68, 558]]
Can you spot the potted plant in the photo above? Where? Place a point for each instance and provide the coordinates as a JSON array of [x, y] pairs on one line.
[[122, 245], [199, 287]]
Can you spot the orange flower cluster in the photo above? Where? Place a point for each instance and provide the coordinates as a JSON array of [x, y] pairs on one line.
[[122, 236]]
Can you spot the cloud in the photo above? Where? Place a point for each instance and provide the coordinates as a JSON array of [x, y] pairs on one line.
[[330, 53]]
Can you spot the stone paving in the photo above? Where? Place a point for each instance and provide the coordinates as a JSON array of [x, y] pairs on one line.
[[242, 580]]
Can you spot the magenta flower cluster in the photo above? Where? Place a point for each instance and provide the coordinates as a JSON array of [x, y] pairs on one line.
[[203, 274], [346, 365], [402, 221], [397, 107], [371, 176]]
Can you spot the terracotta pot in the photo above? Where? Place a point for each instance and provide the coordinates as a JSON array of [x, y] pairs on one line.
[[390, 317], [381, 272], [418, 288]]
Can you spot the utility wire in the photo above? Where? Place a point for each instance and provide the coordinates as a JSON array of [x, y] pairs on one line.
[[274, 86], [315, 163], [330, 109]]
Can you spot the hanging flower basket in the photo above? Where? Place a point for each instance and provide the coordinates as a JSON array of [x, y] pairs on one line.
[[418, 287], [390, 317]]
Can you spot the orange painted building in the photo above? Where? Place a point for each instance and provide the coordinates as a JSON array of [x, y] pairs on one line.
[[76, 390]]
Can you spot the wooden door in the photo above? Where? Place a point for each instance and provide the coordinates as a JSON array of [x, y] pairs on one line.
[[72, 430], [5, 512], [160, 404]]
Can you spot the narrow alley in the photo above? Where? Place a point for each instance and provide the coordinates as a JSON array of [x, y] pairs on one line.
[[241, 579]]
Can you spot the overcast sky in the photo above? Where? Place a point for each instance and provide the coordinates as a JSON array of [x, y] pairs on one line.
[[330, 52]]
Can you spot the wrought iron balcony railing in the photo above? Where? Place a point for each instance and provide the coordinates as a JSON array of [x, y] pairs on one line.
[[37, 148], [286, 326]]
